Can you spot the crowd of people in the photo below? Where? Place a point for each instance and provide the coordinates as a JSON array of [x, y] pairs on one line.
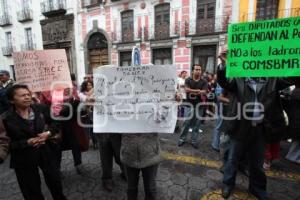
[[32, 131]]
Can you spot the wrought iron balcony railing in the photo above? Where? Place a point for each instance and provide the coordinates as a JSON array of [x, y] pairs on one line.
[[5, 20], [7, 50], [25, 15], [91, 3], [292, 12], [28, 46], [53, 7], [126, 36], [217, 24], [162, 31]]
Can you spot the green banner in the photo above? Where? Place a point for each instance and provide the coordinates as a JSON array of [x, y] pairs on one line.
[[268, 48]]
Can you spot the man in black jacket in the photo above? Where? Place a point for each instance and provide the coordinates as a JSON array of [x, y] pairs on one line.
[[29, 129], [5, 84], [256, 117]]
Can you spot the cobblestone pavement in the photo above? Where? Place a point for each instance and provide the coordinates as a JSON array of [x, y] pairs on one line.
[[186, 174]]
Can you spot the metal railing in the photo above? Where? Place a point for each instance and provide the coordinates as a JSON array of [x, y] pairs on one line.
[[163, 31], [5, 19], [128, 35], [48, 6], [212, 25], [7, 50], [28, 46], [90, 3], [25, 14], [272, 15]]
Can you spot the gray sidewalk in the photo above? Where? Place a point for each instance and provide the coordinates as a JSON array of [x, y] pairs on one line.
[[188, 174]]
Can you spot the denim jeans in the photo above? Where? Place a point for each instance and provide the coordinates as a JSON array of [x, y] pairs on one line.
[[192, 122], [254, 146], [217, 134], [149, 175]]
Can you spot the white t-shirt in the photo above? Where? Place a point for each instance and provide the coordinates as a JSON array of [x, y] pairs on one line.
[[181, 87]]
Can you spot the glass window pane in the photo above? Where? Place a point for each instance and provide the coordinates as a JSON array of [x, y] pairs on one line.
[[167, 18], [211, 10], [201, 12], [162, 56], [162, 13], [167, 61], [157, 62]]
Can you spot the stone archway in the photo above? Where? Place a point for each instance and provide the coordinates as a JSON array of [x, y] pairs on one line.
[[97, 51], [97, 48]]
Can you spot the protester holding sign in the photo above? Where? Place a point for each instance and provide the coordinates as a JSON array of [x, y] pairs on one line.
[[30, 129], [109, 148], [262, 119], [73, 136], [293, 112], [141, 153], [86, 96]]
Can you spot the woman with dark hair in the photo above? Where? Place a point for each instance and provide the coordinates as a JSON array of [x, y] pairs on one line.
[[87, 88], [86, 96], [30, 130]]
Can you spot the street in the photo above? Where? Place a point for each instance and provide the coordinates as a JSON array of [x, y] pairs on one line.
[[186, 174]]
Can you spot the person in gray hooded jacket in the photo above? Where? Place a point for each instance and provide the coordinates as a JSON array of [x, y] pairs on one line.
[[141, 152]]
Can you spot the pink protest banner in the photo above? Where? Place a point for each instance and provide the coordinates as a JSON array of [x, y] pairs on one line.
[[42, 70]]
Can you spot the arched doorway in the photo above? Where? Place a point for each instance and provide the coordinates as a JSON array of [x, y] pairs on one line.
[[97, 47]]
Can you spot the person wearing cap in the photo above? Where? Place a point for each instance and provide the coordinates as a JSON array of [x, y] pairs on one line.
[[261, 120], [5, 83]]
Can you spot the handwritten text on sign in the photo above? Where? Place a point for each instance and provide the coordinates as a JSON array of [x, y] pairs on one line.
[[138, 99], [42, 70], [264, 48]]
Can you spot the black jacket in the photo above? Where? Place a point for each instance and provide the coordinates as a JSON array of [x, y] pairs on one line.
[[19, 131], [267, 95], [293, 111], [4, 103]]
